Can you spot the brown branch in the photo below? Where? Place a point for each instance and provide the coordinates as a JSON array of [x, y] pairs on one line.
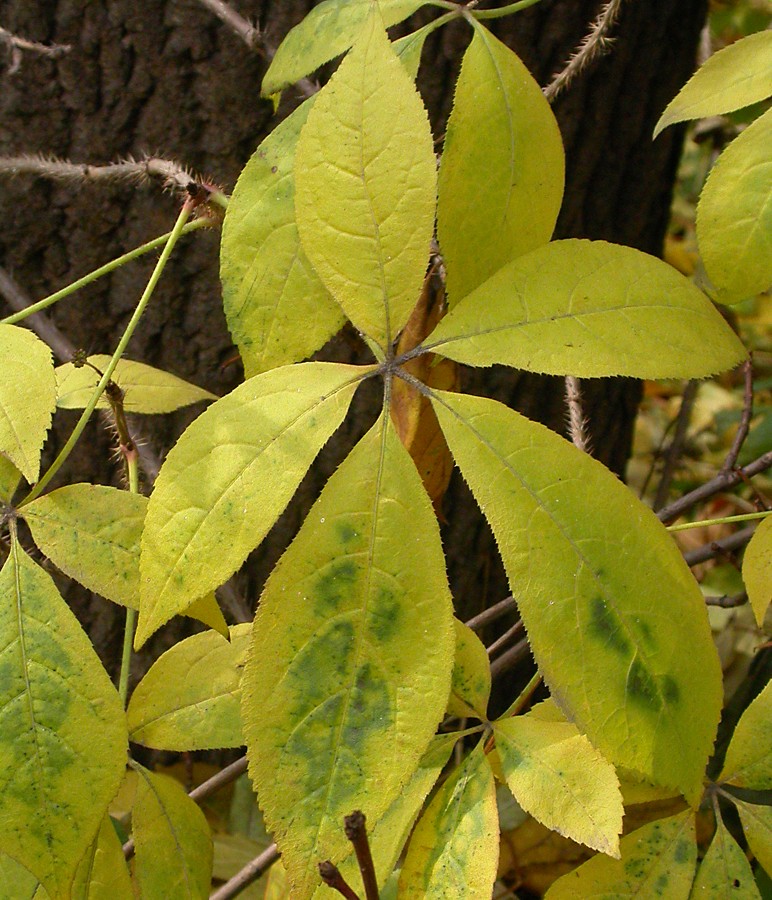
[[332, 877], [721, 482], [596, 44], [246, 876], [676, 447], [491, 614], [745, 419], [356, 831], [505, 638], [726, 601], [510, 658], [577, 421], [18, 45], [721, 547]]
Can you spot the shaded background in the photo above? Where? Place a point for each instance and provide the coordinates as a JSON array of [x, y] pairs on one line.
[[167, 77]]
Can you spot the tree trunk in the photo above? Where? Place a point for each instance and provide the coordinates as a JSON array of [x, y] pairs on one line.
[[167, 77]]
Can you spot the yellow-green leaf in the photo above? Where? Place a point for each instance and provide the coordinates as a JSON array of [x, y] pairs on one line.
[[737, 76], [328, 30], [349, 668], [557, 776], [103, 873], [92, 533], [734, 215], [146, 389], [470, 687], [585, 558], [365, 183], [388, 835], [658, 860], [278, 310], [748, 760], [189, 700], [207, 610], [25, 885], [724, 872], [63, 735], [228, 478], [454, 849], [27, 398], [757, 569], [172, 840], [589, 308], [757, 825], [410, 47], [10, 477], [502, 171]]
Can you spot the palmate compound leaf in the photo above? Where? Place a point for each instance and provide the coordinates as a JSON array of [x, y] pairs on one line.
[[734, 215], [146, 389], [748, 760], [92, 533], [278, 311], [502, 170], [590, 309], [228, 478], [658, 860], [454, 849], [327, 31], [172, 840], [558, 777], [63, 739], [757, 570], [189, 699], [27, 398], [737, 76], [725, 871], [365, 183], [352, 650], [608, 601]]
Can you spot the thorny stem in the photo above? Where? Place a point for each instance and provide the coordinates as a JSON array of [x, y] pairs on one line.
[[102, 270], [725, 520], [356, 832], [119, 351], [577, 421]]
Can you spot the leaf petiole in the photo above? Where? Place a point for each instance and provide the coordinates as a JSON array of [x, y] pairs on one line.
[[724, 520], [173, 237]]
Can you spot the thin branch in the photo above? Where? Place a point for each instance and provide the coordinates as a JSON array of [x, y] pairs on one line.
[[18, 45], [249, 874], [721, 547], [356, 831], [253, 37], [171, 174], [249, 33], [505, 638], [577, 421], [721, 482], [596, 44], [676, 447], [726, 601], [745, 419], [510, 658], [332, 877], [491, 614]]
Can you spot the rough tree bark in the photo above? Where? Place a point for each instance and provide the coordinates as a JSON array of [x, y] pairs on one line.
[[167, 77]]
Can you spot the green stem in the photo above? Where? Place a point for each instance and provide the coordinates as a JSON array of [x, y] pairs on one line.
[[98, 273], [128, 641], [725, 520], [174, 236], [504, 11], [523, 697]]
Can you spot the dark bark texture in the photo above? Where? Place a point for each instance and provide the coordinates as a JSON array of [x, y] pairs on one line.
[[166, 77]]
